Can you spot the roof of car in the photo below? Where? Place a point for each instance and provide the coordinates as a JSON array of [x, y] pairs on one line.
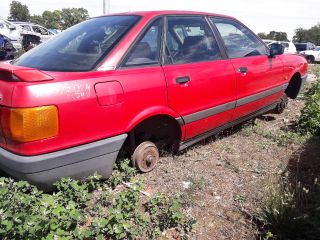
[[169, 12], [24, 23]]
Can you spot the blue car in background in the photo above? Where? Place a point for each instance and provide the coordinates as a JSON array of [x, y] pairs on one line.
[[7, 51]]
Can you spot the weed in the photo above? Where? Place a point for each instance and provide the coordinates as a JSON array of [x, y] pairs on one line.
[[122, 173], [188, 196], [88, 209], [291, 212], [309, 121]]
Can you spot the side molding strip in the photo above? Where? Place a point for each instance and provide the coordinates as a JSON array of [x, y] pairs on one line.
[[214, 131], [255, 97], [228, 106], [208, 112]]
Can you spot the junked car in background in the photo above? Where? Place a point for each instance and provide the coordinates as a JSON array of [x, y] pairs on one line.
[[7, 51], [12, 32], [289, 47], [33, 34], [312, 55], [304, 46]]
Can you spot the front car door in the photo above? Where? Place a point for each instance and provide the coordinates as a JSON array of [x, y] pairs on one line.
[[259, 78], [201, 81]]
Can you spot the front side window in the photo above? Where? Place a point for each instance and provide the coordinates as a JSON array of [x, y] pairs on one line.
[[81, 47], [147, 50], [44, 31], [239, 41], [189, 40], [26, 27], [36, 29]]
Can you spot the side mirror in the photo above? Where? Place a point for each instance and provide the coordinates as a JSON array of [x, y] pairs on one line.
[[275, 49], [12, 27]]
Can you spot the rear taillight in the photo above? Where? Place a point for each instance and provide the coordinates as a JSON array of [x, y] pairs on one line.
[[29, 124]]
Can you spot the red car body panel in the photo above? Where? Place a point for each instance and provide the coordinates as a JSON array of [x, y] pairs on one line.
[[111, 101], [263, 74], [197, 94]]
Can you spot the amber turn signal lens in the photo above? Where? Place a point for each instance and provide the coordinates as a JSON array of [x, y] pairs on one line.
[[31, 124]]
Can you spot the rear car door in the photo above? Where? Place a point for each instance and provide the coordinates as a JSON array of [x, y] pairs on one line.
[[201, 81], [259, 77]]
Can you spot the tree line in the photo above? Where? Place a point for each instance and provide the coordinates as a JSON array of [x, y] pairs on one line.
[[274, 35], [67, 17], [57, 19], [308, 35], [300, 35]]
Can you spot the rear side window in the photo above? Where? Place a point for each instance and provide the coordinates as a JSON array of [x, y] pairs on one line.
[[239, 41], [81, 47], [147, 50], [284, 44], [301, 46], [189, 40]]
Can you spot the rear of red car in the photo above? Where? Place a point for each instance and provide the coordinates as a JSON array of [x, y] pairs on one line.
[[43, 130], [55, 118]]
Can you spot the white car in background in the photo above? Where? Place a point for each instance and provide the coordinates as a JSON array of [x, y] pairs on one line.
[[35, 29], [312, 55], [289, 47], [12, 32]]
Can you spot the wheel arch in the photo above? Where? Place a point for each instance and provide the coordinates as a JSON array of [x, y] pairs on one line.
[[158, 122], [294, 86]]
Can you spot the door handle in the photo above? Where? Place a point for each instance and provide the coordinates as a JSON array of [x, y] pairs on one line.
[[243, 69], [182, 80]]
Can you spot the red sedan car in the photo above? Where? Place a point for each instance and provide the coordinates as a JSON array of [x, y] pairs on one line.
[[135, 81]]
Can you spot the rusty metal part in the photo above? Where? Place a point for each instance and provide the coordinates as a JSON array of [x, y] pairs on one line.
[[145, 157]]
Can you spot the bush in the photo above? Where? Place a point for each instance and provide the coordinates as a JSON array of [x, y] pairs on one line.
[[89, 209], [291, 212], [309, 121]]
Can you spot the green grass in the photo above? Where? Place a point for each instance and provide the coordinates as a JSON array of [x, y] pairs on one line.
[[90, 209], [291, 212], [314, 69]]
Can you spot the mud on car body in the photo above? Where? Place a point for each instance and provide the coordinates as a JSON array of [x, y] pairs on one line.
[[138, 81]]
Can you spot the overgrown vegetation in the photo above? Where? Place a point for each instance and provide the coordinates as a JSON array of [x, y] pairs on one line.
[[90, 209], [309, 121], [291, 211], [292, 207]]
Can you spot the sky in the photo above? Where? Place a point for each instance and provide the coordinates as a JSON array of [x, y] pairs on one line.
[[258, 15]]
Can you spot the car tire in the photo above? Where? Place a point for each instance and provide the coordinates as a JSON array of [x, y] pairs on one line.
[[310, 59], [145, 157], [281, 106]]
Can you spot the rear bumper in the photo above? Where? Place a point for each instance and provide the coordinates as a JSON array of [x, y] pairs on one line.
[[77, 162]]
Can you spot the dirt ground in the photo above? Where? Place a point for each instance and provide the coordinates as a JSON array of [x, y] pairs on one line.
[[222, 181]]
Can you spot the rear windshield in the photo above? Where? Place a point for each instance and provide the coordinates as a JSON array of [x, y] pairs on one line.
[[301, 46], [81, 47]]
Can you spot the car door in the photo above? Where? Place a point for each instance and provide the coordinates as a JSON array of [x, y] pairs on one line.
[[201, 81], [259, 77]]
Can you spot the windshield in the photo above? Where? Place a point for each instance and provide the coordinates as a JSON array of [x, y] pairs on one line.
[[317, 49], [81, 47]]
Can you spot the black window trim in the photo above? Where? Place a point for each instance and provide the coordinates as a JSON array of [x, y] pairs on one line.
[[236, 21], [205, 18], [121, 65]]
